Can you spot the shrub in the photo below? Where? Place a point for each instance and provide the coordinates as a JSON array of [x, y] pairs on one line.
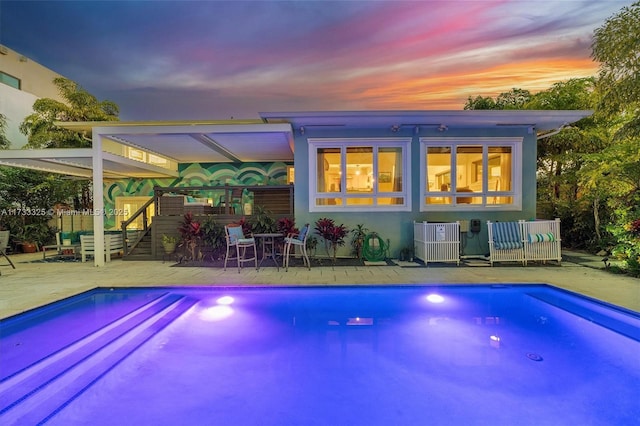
[[332, 234]]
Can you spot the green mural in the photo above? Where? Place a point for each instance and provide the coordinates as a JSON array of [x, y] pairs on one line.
[[196, 174]]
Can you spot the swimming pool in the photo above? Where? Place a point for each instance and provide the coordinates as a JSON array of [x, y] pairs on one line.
[[472, 355]]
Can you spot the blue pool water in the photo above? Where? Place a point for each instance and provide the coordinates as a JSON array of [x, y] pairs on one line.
[[453, 355]]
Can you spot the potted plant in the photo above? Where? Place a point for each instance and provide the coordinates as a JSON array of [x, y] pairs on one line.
[[169, 243], [191, 231], [406, 254], [359, 233], [34, 235]]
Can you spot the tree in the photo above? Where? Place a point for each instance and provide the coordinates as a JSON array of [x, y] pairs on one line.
[[615, 46], [4, 142], [612, 176], [79, 106], [480, 102], [513, 99]]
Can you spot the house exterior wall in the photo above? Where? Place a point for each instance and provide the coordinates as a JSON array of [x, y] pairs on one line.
[[397, 227]]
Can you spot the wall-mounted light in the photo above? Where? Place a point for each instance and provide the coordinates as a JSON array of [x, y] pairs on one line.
[[442, 128], [302, 130], [395, 128], [416, 130]]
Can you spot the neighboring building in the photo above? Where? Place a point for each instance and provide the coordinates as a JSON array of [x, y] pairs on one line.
[[22, 82]]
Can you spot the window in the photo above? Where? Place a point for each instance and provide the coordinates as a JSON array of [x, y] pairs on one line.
[[10, 80], [468, 174], [359, 174]]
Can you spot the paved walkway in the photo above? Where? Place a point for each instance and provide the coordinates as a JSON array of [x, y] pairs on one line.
[[34, 284]]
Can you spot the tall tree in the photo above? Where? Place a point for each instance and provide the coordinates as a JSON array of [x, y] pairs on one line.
[[615, 45], [4, 141], [79, 105], [612, 177]]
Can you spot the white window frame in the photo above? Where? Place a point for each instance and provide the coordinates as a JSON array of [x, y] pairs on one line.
[[343, 144], [516, 173]]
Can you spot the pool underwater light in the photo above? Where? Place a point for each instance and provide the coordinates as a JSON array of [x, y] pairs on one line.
[[435, 298], [225, 300], [220, 311]]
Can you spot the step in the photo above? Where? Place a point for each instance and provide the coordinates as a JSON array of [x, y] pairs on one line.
[[37, 393], [138, 256]]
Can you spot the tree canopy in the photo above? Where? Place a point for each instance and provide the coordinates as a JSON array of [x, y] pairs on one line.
[[79, 105], [4, 141], [615, 45]]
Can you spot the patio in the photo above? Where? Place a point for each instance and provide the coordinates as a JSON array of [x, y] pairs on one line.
[[34, 284]]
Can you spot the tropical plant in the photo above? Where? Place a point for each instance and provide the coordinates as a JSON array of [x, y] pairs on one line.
[[286, 226], [357, 242], [191, 232], [213, 236], [262, 221], [332, 234]]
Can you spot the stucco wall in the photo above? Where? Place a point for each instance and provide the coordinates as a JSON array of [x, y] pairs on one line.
[[397, 227]]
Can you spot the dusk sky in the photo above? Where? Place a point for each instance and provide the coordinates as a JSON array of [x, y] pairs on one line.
[[194, 60]]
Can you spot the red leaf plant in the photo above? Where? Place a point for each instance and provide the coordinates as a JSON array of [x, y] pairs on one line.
[[332, 234]]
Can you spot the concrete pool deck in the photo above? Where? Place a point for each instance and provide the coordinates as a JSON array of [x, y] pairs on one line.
[[33, 284]]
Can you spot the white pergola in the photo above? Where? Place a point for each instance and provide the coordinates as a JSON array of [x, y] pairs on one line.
[[270, 139], [179, 142]]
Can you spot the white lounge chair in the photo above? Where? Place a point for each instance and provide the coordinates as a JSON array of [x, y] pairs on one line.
[[505, 242], [542, 240], [112, 245]]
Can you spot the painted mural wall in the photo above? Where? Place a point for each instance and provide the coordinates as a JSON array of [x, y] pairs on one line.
[[196, 174]]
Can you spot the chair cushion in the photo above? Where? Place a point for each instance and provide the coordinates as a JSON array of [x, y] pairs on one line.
[[303, 233], [235, 233], [506, 236], [539, 238]]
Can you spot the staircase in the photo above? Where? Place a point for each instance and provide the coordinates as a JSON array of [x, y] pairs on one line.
[[142, 250], [35, 394]]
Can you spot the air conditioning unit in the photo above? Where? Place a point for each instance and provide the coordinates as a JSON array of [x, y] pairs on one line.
[[4, 50]]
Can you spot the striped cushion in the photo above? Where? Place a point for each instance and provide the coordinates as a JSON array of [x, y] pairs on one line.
[[506, 236], [539, 238]]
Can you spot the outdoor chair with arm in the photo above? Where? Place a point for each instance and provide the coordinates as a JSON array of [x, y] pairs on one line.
[[297, 240], [4, 245], [236, 240]]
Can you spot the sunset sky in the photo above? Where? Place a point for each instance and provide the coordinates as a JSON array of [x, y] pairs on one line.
[[174, 60]]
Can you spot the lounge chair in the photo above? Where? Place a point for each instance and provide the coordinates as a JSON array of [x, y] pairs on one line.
[[236, 239], [4, 245], [542, 240], [112, 245], [505, 242], [297, 240]]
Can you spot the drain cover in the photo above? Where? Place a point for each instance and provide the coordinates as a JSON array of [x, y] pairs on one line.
[[534, 357]]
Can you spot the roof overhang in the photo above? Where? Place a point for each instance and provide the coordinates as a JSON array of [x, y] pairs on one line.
[[78, 162], [229, 141], [538, 120], [269, 139]]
